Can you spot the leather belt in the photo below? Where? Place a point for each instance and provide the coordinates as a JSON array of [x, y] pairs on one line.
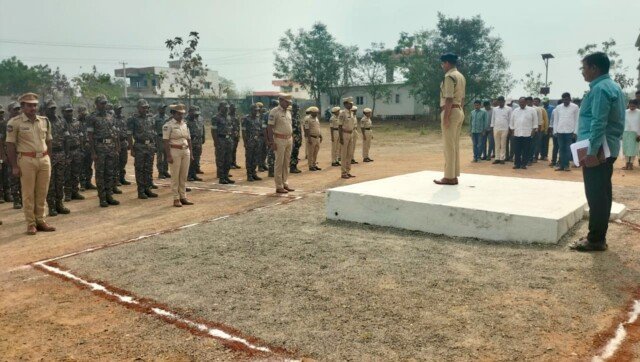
[[282, 136], [333, 128], [179, 147], [35, 154], [367, 129], [452, 107]]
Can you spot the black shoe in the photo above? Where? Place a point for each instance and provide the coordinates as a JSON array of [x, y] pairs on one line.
[[104, 203], [250, 178], [112, 201], [67, 197], [17, 205], [294, 170], [162, 176], [125, 182], [154, 186], [190, 179], [62, 210], [196, 178], [76, 196], [524, 167], [168, 175], [495, 162], [354, 162], [586, 246], [142, 196], [334, 164], [270, 174], [188, 189], [317, 168], [230, 181], [262, 169], [8, 198], [236, 166], [223, 181], [515, 167], [53, 212], [90, 186], [199, 172], [116, 190], [151, 193], [257, 178]]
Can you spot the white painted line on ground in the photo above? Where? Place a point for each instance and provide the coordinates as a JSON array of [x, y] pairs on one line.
[[19, 268], [621, 333]]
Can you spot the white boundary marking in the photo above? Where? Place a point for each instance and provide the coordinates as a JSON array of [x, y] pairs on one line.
[[621, 333]]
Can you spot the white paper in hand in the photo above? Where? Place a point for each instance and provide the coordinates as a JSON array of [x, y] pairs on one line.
[[583, 146]]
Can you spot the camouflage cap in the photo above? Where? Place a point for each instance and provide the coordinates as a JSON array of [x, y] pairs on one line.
[[67, 107], [142, 103], [51, 104], [194, 109], [13, 105], [118, 106], [223, 104], [101, 99], [28, 98], [82, 109]]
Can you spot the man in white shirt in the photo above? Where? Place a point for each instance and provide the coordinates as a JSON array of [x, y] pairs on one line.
[[534, 136], [523, 124], [500, 117], [565, 124], [631, 135]]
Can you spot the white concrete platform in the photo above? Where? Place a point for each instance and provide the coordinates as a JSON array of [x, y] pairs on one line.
[[485, 207], [617, 211]]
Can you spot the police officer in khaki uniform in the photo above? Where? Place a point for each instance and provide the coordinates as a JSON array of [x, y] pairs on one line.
[[335, 138], [279, 133], [367, 135], [177, 147], [28, 143], [346, 125], [314, 138], [452, 93], [356, 133]]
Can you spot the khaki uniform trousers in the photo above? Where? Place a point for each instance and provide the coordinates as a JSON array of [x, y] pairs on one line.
[[35, 173], [366, 143], [335, 146], [346, 151], [283, 157], [313, 144], [500, 137], [179, 171], [352, 152], [451, 138]]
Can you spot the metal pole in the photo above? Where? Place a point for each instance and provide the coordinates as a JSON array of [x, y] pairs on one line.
[[546, 75], [124, 75]]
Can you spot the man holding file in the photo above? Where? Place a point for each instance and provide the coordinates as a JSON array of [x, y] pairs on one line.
[[601, 117]]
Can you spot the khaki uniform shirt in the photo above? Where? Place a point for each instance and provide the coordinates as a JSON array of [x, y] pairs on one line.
[[176, 133], [453, 86], [333, 122], [312, 125], [29, 136], [347, 120], [280, 119], [365, 122]]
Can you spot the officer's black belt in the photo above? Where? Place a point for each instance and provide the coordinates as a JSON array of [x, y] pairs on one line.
[[367, 129]]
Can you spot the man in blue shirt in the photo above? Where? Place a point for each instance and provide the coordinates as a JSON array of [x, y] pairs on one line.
[[479, 125], [601, 119]]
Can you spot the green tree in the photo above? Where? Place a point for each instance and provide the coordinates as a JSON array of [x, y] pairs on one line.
[[17, 78], [372, 73], [532, 83], [192, 71], [93, 84], [481, 59], [348, 62], [618, 71], [228, 88], [309, 58]]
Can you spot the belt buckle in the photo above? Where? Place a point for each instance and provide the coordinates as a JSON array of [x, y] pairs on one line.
[[146, 142], [107, 141], [39, 154], [184, 147]]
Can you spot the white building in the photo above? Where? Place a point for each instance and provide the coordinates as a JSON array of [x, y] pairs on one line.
[[400, 103], [155, 82], [295, 89]]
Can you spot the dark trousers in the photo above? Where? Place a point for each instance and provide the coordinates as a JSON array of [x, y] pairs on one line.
[[555, 150], [234, 151], [476, 138], [143, 165], [534, 146], [194, 166], [488, 145], [544, 146], [521, 149], [598, 189], [510, 141], [564, 141]]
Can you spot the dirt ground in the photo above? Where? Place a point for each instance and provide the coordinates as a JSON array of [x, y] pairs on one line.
[[324, 290]]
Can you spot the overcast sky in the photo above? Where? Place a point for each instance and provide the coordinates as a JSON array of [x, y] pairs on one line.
[[238, 37]]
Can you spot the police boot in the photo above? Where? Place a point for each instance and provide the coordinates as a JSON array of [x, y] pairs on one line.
[[250, 178], [17, 204], [103, 202], [124, 181], [294, 169], [89, 186], [112, 201], [223, 181], [154, 186], [52, 210], [8, 197], [230, 180], [67, 196], [257, 178], [168, 175], [142, 195], [116, 190], [271, 174], [149, 193], [261, 168], [61, 209], [75, 195]]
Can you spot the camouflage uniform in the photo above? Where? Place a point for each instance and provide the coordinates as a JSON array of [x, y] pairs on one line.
[[58, 156], [195, 123], [11, 185], [252, 129], [120, 124], [142, 129], [224, 145], [271, 156], [87, 162], [101, 125], [235, 122], [297, 139], [75, 156], [161, 158]]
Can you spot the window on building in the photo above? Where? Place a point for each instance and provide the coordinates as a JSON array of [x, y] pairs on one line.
[[335, 100], [207, 85], [359, 101], [144, 83], [397, 98], [154, 82]]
